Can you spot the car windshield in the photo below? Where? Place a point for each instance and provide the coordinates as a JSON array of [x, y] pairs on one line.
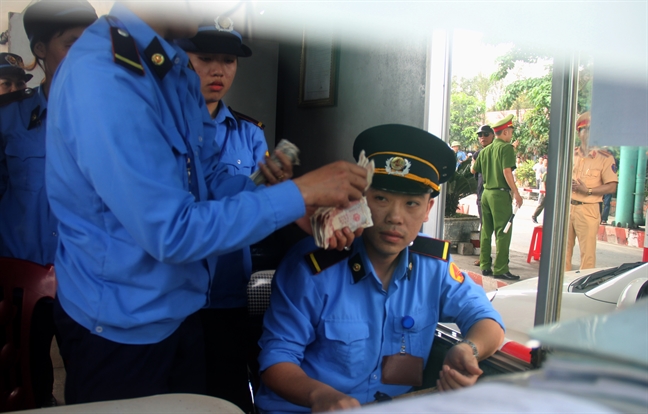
[[593, 280]]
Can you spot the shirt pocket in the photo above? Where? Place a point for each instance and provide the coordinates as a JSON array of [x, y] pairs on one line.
[[239, 161], [591, 178], [345, 346], [418, 339], [26, 163]]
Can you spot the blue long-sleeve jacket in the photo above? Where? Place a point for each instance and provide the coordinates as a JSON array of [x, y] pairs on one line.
[[136, 247]]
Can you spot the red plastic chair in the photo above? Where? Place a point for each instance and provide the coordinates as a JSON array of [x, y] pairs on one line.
[[535, 248], [31, 282]]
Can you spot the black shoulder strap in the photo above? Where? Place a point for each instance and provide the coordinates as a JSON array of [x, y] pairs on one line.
[[160, 62], [239, 116], [9, 98], [125, 50], [427, 246], [322, 259]]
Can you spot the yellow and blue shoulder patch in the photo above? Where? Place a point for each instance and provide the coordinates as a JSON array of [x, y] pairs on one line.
[[427, 246], [125, 50], [239, 116], [455, 272], [321, 259]]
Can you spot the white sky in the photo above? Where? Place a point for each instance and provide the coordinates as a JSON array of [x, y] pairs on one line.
[[471, 56]]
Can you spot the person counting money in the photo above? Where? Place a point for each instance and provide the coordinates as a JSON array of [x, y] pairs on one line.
[[343, 326]]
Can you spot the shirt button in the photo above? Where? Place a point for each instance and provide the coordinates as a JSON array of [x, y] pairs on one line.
[[200, 138], [54, 234], [374, 376], [176, 60], [238, 161], [99, 329]]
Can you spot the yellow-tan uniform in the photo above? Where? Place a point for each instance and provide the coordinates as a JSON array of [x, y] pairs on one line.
[[594, 169]]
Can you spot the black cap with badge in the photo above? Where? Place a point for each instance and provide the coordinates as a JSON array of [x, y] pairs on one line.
[[12, 65], [46, 17], [217, 37], [407, 159]]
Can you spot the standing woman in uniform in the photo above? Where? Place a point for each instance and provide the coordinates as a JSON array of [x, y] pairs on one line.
[[214, 54], [28, 229]]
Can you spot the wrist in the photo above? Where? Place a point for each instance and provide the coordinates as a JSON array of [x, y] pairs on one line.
[[472, 346]]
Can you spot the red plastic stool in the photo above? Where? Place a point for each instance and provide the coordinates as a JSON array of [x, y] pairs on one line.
[[536, 244]]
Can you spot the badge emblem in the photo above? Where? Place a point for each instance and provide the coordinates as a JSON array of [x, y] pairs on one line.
[[398, 166], [223, 24], [13, 61], [455, 273]]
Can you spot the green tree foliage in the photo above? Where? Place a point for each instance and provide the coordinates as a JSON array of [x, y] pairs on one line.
[[525, 175], [466, 113], [534, 95], [460, 185]]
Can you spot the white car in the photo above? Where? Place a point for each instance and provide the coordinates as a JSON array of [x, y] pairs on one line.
[[587, 292]]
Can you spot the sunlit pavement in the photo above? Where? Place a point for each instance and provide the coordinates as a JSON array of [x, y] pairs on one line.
[[607, 254]]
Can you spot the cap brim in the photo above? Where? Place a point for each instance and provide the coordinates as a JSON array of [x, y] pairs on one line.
[[16, 73], [226, 44]]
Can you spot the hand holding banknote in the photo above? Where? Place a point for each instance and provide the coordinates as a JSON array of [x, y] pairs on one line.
[[328, 220], [278, 166]]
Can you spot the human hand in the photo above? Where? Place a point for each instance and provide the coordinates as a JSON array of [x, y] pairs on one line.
[[460, 369], [578, 186], [276, 173], [330, 399], [333, 185], [340, 240], [518, 200]]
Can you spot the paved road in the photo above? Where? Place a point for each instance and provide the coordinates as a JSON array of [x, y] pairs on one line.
[[607, 254]]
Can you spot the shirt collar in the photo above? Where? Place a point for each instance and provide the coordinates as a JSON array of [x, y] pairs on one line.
[[361, 266], [223, 113]]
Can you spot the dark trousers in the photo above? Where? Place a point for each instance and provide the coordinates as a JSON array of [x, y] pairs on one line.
[[605, 206], [41, 334], [539, 209], [99, 369], [226, 351]]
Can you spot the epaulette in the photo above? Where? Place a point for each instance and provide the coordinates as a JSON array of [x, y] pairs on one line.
[[321, 259], [17, 96], [430, 247], [244, 117], [605, 153], [125, 50], [158, 57]]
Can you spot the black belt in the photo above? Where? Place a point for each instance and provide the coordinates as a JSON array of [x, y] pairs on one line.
[[501, 189], [578, 203]]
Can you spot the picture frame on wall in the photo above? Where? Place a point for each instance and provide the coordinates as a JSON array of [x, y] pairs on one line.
[[318, 71]]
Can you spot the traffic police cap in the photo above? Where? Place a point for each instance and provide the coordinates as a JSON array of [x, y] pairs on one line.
[[12, 65], [485, 129], [407, 159], [502, 124], [583, 121], [47, 17], [217, 37]]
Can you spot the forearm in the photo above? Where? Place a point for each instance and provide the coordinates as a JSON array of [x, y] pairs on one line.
[[604, 189], [291, 383], [487, 335], [508, 176]]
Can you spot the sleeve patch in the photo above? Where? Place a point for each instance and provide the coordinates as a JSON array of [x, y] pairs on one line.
[[455, 273], [614, 168]]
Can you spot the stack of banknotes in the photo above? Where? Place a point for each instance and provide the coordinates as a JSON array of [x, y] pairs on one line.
[[328, 219], [285, 146]]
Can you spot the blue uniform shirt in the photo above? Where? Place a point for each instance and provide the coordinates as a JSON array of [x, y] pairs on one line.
[[243, 146], [27, 225], [338, 330], [136, 248]]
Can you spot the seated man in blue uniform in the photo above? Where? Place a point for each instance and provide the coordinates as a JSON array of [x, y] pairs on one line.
[[344, 325]]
